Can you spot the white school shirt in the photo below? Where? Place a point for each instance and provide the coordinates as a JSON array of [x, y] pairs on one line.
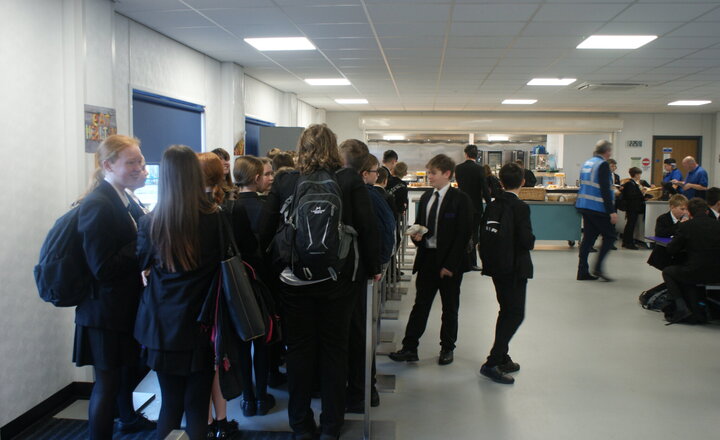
[[431, 242]]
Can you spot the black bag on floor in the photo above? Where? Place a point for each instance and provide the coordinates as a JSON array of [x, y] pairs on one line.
[[654, 299]]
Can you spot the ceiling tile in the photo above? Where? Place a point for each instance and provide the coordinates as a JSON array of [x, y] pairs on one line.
[[704, 29], [639, 28], [252, 16], [578, 12], [393, 13], [326, 14], [412, 42], [486, 29], [494, 12], [552, 29], [678, 42], [345, 43], [433, 28], [667, 12], [355, 30]]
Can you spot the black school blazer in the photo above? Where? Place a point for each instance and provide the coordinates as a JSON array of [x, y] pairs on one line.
[[109, 234], [453, 234], [664, 227]]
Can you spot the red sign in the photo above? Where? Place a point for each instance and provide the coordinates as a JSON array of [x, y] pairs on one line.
[[646, 162]]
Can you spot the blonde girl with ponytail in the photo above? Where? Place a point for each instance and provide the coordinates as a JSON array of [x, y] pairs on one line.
[[104, 320]]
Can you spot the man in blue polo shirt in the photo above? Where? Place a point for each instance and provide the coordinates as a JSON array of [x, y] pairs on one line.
[[696, 181]]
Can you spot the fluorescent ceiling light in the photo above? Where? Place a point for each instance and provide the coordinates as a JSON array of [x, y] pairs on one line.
[[351, 101], [394, 137], [519, 101], [616, 41], [551, 81], [328, 81], [498, 137], [689, 102], [289, 43]]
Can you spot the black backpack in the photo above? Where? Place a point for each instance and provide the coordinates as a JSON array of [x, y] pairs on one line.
[[62, 275], [496, 239], [312, 241]]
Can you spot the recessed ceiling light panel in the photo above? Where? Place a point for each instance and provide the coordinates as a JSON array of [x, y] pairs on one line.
[[689, 102], [394, 137], [276, 44], [352, 101], [616, 41], [498, 138], [551, 81], [520, 101], [328, 81]]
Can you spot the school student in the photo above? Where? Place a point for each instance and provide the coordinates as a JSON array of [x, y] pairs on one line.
[[713, 201], [317, 313], [699, 239], [666, 226], [227, 184], [213, 174], [510, 286], [179, 247], [441, 260], [633, 198], [249, 173], [104, 319], [387, 228]]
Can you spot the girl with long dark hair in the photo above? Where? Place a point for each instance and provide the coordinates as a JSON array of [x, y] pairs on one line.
[[179, 243]]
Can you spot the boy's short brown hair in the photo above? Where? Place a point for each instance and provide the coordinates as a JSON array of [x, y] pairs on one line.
[[442, 163], [677, 200], [400, 170]]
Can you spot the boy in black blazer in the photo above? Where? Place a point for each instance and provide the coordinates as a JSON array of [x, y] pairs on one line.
[[442, 258], [511, 288]]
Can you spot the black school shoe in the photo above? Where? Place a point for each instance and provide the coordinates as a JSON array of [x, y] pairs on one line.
[[446, 357], [141, 423], [496, 375], [249, 408], [226, 429], [358, 407], [265, 405], [212, 430], [586, 277], [509, 366], [404, 355]]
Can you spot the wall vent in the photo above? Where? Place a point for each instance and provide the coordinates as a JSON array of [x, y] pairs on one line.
[[609, 86]]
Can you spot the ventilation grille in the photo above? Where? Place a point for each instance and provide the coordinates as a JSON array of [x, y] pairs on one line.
[[610, 86]]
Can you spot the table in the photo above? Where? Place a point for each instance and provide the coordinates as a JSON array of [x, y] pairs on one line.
[[660, 241]]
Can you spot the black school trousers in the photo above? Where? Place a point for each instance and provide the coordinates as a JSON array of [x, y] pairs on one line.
[[427, 284], [595, 224], [317, 333], [511, 293]]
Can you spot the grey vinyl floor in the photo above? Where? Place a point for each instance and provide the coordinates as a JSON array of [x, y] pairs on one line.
[[594, 365]]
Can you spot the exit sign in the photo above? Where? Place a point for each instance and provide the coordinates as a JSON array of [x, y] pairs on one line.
[[634, 143]]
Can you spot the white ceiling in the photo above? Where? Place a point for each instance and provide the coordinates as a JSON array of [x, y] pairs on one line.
[[459, 55]]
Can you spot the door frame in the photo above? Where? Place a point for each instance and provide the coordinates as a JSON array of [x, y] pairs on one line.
[[682, 138]]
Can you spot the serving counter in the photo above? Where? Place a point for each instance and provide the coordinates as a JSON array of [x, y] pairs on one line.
[[551, 220]]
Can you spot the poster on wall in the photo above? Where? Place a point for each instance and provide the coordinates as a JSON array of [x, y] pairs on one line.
[[100, 122], [636, 162]]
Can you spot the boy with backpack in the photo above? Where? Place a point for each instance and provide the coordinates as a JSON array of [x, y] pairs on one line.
[[445, 213], [506, 239]]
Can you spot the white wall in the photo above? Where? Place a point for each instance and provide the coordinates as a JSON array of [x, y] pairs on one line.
[[346, 125], [62, 55], [41, 129], [643, 126], [267, 103]]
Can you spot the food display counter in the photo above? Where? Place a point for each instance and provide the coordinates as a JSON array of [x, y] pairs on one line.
[[551, 220]]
